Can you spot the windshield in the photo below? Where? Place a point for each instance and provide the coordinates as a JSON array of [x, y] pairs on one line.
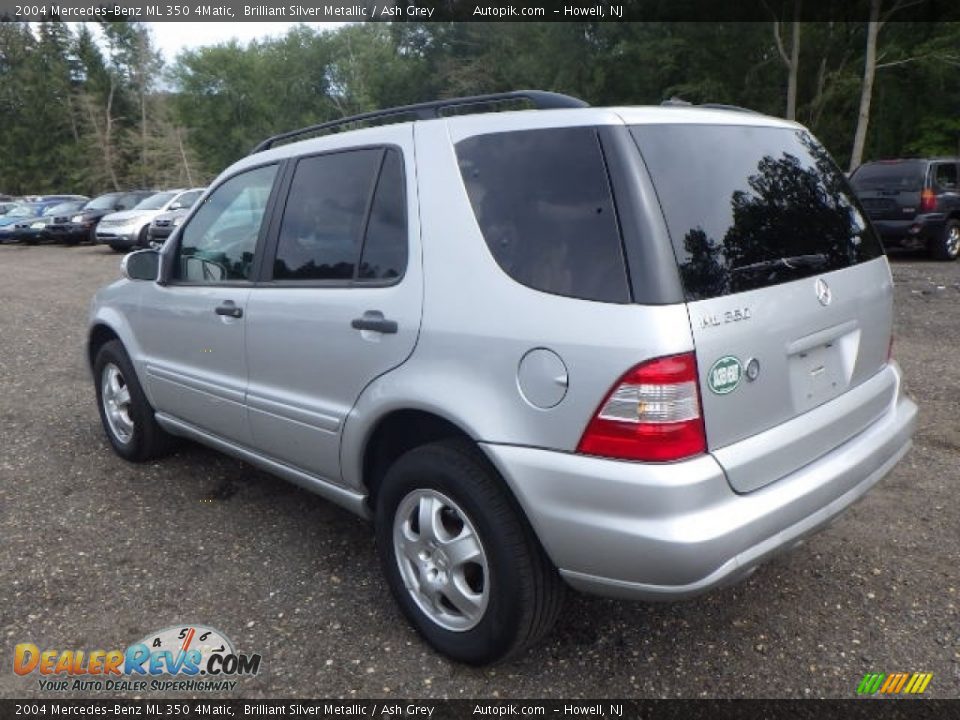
[[24, 211], [189, 198], [894, 175], [749, 207], [63, 208], [155, 202], [104, 202]]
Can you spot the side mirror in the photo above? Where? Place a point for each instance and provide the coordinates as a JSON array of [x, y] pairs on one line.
[[141, 265], [174, 206]]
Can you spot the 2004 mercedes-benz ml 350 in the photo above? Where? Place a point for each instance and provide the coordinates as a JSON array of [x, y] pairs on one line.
[[632, 350]]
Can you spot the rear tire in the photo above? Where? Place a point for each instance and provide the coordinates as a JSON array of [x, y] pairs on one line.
[[126, 414], [504, 597], [947, 246], [143, 240]]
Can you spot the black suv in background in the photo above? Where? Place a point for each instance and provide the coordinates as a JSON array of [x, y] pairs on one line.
[[83, 225], [913, 203]]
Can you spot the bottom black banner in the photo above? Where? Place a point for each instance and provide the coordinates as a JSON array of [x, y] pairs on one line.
[[872, 709]]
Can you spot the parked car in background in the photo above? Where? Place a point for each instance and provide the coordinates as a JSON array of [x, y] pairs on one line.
[[913, 203], [25, 213], [36, 231], [82, 226], [127, 229], [6, 206], [166, 222]]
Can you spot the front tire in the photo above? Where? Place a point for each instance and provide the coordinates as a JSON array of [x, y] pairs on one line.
[[126, 415], [947, 246], [461, 561]]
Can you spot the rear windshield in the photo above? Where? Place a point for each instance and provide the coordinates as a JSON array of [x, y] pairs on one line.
[[749, 207], [889, 176]]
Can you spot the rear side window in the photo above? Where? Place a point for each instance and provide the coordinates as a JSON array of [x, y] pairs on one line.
[[345, 218], [749, 207], [543, 201], [945, 176]]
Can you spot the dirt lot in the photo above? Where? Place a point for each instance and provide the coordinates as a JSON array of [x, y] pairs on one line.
[[96, 553]]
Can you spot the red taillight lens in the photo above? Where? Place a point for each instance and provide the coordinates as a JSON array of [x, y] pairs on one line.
[[928, 201], [652, 413]]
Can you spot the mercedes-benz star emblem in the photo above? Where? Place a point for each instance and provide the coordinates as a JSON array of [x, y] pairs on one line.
[[823, 292]]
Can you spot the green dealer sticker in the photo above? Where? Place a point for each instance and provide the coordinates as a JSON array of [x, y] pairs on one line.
[[724, 376]]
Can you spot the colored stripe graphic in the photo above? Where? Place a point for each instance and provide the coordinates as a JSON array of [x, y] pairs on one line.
[[870, 683], [894, 683]]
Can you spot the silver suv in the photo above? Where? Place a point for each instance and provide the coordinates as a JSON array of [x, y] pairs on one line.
[[634, 350]]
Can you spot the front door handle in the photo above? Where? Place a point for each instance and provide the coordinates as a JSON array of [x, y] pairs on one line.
[[374, 320], [230, 309]]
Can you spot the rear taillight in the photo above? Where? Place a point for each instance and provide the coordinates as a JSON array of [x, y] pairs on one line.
[[928, 201], [652, 413]]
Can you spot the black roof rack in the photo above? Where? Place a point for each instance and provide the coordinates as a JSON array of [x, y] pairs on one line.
[[540, 99], [721, 106]]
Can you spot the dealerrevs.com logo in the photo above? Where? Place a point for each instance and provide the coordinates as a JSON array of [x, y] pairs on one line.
[[179, 658]]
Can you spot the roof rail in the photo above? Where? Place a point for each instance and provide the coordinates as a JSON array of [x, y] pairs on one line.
[[721, 106], [680, 102], [541, 100]]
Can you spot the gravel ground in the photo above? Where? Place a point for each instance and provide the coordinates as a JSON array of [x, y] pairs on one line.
[[96, 552]]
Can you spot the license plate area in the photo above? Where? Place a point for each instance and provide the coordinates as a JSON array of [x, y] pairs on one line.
[[820, 369]]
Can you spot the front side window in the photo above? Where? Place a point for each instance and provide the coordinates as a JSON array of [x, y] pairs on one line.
[[344, 219], [544, 204], [218, 243]]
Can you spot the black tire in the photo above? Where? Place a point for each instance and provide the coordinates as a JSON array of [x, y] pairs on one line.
[[142, 239], [525, 593], [947, 246], [147, 440]]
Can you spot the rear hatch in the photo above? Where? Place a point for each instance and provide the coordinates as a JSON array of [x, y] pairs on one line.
[[890, 189], [789, 295]]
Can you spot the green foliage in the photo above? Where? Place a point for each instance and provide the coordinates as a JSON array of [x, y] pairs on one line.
[[85, 115]]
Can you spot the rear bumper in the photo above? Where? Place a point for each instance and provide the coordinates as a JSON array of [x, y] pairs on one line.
[[916, 231], [670, 531]]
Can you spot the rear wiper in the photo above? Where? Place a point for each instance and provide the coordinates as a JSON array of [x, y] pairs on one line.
[[794, 262]]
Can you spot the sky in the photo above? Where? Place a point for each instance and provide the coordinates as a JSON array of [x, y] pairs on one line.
[[172, 37]]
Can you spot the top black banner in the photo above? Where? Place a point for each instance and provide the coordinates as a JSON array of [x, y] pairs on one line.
[[474, 11]]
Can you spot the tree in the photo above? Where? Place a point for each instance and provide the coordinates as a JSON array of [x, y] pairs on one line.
[[792, 61]]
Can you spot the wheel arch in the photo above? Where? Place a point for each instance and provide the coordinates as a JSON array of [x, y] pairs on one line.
[[100, 334], [395, 433]]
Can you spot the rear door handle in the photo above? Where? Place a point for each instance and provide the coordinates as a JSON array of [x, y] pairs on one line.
[[374, 320], [230, 309]]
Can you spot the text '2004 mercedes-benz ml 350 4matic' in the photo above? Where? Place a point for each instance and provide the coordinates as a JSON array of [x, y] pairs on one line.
[[633, 350]]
